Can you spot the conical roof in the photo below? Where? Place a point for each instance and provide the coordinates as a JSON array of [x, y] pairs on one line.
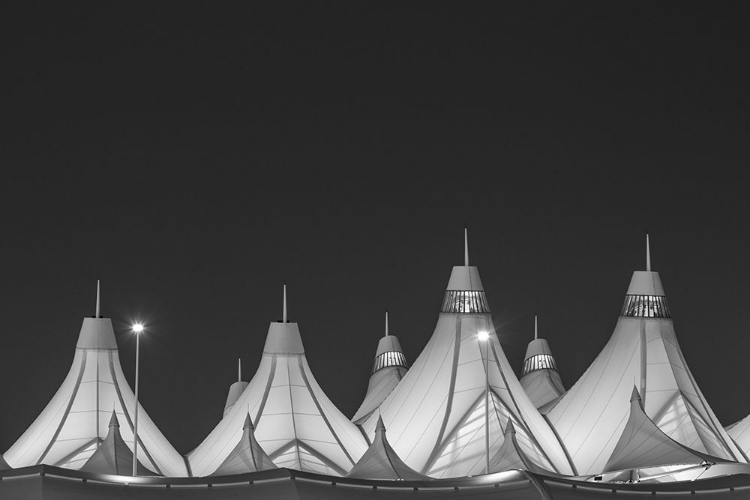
[[381, 462], [235, 390], [114, 456], [75, 421], [511, 456], [540, 378], [295, 422], [247, 456], [436, 414], [642, 444], [388, 369], [643, 349]]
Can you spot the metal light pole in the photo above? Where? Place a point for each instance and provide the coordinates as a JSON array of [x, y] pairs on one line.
[[485, 338], [137, 329]]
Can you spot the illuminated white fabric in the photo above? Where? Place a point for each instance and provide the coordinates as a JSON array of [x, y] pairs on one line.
[[382, 382], [75, 421], [511, 456], [381, 462], [435, 416], [113, 456], [247, 456], [295, 422], [542, 386], [642, 444], [740, 433], [643, 351]]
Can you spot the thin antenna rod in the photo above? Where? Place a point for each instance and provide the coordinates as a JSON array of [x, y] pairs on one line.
[[466, 246], [239, 369], [648, 255], [536, 328], [97, 298], [284, 313], [386, 323]]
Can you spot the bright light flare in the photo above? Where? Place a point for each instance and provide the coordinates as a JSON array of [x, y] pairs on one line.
[[483, 335], [138, 328]]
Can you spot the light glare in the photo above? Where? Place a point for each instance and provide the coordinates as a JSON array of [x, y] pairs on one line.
[[138, 328], [483, 335]]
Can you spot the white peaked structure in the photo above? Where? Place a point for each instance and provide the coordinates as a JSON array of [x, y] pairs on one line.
[[642, 351], [295, 422], [387, 371], [740, 433], [540, 378], [235, 390], [642, 444], [381, 462], [438, 418], [247, 456], [76, 421], [113, 456], [511, 456]]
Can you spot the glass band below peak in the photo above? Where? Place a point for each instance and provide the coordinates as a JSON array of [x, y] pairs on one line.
[[465, 301], [645, 306], [390, 358], [539, 362]]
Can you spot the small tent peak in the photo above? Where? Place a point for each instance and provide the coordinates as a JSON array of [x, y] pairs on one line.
[[635, 395], [98, 301], [248, 423], [113, 422], [466, 246], [510, 428], [648, 254], [380, 427]]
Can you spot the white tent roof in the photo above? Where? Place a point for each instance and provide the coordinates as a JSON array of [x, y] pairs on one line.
[[247, 456], [381, 462], [540, 378], [295, 422], [643, 350], [511, 456], [436, 415], [75, 421], [740, 433], [235, 390], [642, 444], [113, 456], [387, 371]]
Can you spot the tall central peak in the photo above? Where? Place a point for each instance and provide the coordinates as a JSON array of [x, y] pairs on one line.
[[284, 337]]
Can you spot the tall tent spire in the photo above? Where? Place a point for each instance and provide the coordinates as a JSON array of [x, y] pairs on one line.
[[536, 328], [648, 255], [466, 246], [386, 323], [239, 369], [284, 312], [98, 296]]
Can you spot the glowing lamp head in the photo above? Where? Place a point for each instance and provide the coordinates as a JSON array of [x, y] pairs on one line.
[[137, 328], [483, 335]]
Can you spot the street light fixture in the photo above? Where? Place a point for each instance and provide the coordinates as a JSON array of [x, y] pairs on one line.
[[484, 337], [137, 330]]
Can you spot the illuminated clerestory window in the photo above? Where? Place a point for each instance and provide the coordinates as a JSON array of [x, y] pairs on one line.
[[645, 306], [539, 362], [390, 358], [465, 301]]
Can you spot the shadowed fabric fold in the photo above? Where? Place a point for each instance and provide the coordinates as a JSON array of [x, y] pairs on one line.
[[113, 456], [511, 456], [642, 444], [247, 456], [381, 462]]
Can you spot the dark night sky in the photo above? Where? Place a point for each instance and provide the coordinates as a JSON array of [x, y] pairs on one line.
[[195, 159]]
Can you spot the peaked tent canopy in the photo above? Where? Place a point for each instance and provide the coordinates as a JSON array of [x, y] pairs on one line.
[[295, 422], [235, 390], [642, 444], [436, 414], [387, 371], [381, 462], [643, 349], [113, 456], [511, 456], [540, 378], [75, 421], [740, 433], [247, 456]]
